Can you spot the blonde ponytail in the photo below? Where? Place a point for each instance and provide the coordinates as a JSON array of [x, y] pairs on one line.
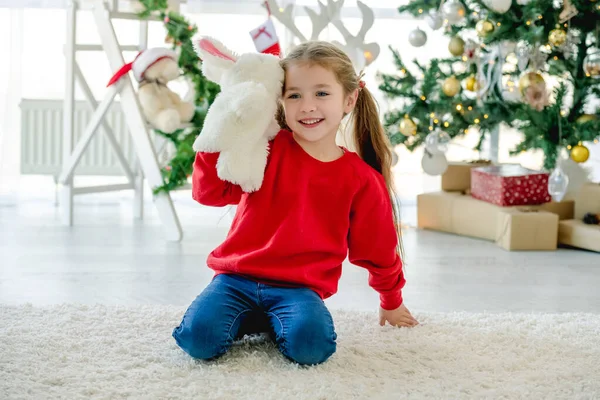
[[373, 146]]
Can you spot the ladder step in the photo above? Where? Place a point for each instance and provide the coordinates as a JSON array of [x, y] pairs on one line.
[[133, 16], [98, 47], [100, 189]]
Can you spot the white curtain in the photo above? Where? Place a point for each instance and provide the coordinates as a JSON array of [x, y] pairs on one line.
[[11, 26]]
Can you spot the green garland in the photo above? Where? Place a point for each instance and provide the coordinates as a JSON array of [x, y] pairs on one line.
[[540, 128], [181, 32]]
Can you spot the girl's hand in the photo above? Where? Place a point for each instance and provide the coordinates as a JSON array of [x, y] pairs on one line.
[[398, 317]]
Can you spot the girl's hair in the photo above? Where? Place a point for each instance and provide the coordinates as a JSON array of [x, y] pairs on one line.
[[370, 140]]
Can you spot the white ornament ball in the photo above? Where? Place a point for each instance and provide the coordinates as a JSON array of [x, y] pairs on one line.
[[523, 2], [434, 20], [499, 6], [437, 141], [454, 11], [434, 163], [417, 37]]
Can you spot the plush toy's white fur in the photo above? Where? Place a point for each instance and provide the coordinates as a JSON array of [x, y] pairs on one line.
[[241, 120], [162, 107]]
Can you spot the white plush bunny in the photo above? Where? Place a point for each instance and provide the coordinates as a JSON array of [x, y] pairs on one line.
[[241, 120]]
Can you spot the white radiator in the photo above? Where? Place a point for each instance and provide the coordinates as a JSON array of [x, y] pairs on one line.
[[42, 138]]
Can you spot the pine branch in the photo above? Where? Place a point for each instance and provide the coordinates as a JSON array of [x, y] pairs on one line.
[[175, 174]]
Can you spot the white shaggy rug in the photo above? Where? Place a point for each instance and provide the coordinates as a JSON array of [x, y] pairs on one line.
[[112, 352]]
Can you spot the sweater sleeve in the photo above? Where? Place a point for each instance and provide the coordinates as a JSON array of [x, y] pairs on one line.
[[207, 188], [372, 241]]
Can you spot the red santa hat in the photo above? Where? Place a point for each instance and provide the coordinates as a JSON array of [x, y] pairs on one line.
[[144, 60]]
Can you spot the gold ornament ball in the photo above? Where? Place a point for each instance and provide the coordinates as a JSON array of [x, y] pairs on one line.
[[451, 86], [456, 47], [484, 27], [528, 79], [407, 127], [471, 84], [557, 37], [586, 118], [580, 153]]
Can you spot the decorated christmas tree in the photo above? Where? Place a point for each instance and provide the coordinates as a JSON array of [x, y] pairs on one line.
[[533, 65]]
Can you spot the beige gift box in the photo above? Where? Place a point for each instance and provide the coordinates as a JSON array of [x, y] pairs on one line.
[[513, 228], [587, 200], [575, 233], [457, 177]]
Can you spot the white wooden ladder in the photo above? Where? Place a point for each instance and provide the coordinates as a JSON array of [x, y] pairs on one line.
[[146, 154]]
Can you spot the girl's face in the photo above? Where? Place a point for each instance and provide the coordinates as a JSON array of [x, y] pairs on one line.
[[314, 102]]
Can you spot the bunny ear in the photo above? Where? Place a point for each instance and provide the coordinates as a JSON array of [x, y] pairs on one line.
[[215, 48], [216, 58]]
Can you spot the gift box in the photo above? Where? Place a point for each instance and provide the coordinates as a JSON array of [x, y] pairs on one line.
[[454, 212], [509, 185], [458, 175], [577, 234], [533, 227], [587, 200], [526, 229], [564, 209]]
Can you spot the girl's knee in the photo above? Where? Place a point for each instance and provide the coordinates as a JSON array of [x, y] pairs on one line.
[[201, 341], [309, 342]]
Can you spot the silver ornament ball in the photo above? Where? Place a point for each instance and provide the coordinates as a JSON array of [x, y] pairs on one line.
[[434, 163], [417, 37], [437, 141], [434, 20], [454, 11]]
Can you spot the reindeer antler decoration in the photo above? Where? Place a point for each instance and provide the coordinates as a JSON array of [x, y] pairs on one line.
[[361, 53]]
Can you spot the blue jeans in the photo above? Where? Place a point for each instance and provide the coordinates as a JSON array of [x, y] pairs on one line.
[[232, 306]]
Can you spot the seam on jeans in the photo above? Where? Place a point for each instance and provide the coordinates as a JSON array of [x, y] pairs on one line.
[[283, 332], [233, 323], [258, 299], [332, 326]]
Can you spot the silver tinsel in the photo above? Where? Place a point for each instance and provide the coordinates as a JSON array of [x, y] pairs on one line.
[[530, 57], [570, 44]]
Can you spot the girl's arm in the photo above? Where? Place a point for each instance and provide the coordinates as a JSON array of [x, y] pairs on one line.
[[372, 241], [207, 188]]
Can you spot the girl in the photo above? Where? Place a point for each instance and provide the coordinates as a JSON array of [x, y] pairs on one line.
[[318, 204]]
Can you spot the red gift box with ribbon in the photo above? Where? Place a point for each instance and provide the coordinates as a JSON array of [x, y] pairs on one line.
[[509, 185]]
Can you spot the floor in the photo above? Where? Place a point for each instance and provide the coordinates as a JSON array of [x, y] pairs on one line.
[[109, 257]]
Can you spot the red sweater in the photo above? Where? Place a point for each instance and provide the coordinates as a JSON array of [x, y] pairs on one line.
[[303, 222]]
